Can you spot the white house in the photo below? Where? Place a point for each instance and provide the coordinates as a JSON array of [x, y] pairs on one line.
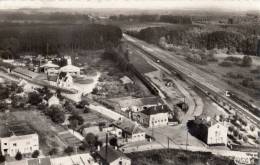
[[109, 156], [212, 132], [131, 132], [18, 137], [217, 134], [54, 100], [156, 116], [65, 80]]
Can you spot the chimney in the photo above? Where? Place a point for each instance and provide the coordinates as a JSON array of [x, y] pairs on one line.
[[115, 147], [98, 148]]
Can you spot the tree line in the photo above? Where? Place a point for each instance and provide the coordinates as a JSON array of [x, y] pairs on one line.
[[54, 38], [243, 42], [178, 19]]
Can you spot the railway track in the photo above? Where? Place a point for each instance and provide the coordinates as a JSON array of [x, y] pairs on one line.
[[201, 85]]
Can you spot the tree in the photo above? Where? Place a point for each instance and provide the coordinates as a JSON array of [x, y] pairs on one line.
[[53, 151], [2, 157], [69, 150], [3, 105], [35, 154], [69, 106], [78, 118], [56, 114], [113, 142], [246, 61], [18, 156], [34, 98], [82, 104]]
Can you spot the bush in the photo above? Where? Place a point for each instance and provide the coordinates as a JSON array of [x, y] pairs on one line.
[[53, 151], [35, 154], [69, 150], [246, 61], [56, 114], [225, 64], [113, 142], [34, 98], [18, 156]]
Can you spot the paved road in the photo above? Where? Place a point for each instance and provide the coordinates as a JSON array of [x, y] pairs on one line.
[[198, 77]]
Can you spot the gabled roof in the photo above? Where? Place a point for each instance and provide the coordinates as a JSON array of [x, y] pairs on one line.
[[110, 155], [16, 128], [25, 72], [128, 126], [49, 64], [70, 68]]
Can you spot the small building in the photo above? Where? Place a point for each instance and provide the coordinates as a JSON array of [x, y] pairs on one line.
[[137, 104], [48, 65], [156, 116], [39, 161], [109, 156], [131, 132], [54, 100], [16, 137], [65, 80], [126, 80], [212, 132]]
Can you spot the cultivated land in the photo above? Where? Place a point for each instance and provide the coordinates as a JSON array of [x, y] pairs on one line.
[[177, 157]]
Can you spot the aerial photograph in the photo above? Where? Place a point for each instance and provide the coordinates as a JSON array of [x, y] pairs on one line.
[[130, 82]]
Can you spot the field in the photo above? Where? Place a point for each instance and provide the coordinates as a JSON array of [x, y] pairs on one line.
[[109, 82], [177, 157]]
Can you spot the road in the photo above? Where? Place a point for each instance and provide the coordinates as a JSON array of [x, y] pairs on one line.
[[198, 77]]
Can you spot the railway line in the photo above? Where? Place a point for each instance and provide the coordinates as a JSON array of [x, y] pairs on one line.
[[198, 78]]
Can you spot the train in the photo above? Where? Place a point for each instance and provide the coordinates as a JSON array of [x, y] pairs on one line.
[[252, 108]]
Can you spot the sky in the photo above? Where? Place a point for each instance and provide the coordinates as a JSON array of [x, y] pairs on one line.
[[236, 5]]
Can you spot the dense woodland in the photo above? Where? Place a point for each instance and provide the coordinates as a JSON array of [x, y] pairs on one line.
[[234, 38], [41, 38]]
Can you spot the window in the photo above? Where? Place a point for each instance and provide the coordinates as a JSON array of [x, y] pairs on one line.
[[5, 144], [14, 144], [120, 163]]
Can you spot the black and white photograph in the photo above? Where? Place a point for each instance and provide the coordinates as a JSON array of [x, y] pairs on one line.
[[129, 82]]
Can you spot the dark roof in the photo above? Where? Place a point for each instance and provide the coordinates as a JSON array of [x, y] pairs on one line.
[[128, 126], [25, 72], [110, 155], [52, 78], [156, 109], [39, 161], [16, 128]]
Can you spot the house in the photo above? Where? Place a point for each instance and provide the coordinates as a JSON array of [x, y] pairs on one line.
[[54, 100], [212, 132], [49, 65], [109, 156], [131, 132], [137, 104], [155, 116], [16, 137], [69, 68], [65, 80], [39, 161]]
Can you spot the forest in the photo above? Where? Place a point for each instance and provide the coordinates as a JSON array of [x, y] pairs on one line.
[[40, 38], [235, 38], [178, 19]]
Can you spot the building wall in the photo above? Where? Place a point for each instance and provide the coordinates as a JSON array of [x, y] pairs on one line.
[[137, 137], [158, 120], [217, 134], [121, 161], [25, 144]]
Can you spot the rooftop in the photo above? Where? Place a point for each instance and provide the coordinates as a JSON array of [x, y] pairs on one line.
[[16, 128], [156, 109], [70, 68], [128, 101], [110, 155], [25, 72], [128, 126]]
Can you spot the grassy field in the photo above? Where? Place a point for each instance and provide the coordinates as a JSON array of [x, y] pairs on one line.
[[177, 157]]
